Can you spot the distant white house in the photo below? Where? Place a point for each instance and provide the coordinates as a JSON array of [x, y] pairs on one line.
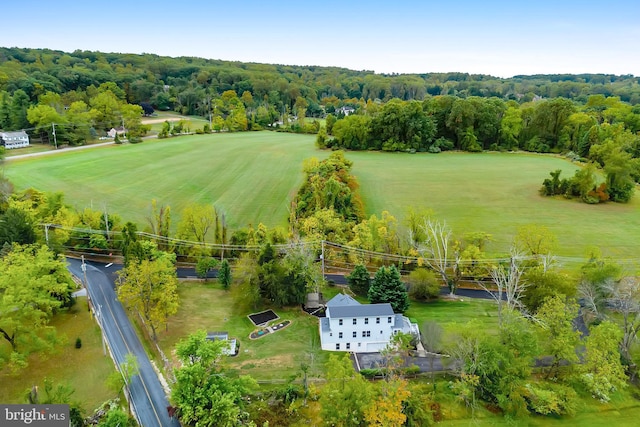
[[361, 328], [345, 110], [116, 131], [11, 140]]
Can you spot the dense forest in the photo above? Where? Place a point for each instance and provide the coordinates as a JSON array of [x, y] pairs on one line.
[[184, 84]]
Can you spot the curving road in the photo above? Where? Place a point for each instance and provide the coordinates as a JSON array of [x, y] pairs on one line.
[[147, 395]]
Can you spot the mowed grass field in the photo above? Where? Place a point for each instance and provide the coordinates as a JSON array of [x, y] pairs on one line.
[[250, 176], [253, 176], [496, 193]]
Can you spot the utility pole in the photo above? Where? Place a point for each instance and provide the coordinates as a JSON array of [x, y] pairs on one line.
[[46, 233], [55, 139], [106, 220], [322, 259]]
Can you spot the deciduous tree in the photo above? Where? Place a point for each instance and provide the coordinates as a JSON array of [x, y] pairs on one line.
[[602, 371], [359, 280], [558, 339], [150, 288], [436, 249], [346, 394], [423, 285], [34, 284], [203, 393]]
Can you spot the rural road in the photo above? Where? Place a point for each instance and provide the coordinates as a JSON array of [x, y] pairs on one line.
[[148, 397], [59, 151]]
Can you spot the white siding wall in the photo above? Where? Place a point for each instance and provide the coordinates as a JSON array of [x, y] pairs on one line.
[[377, 338]]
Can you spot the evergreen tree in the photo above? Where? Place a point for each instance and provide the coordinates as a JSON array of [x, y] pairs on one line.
[[18, 110], [224, 274], [359, 280], [387, 287]]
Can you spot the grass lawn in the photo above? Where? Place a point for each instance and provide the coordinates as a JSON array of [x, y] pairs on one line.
[[252, 176], [274, 356], [448, 313], [622, 411], [85, 369]]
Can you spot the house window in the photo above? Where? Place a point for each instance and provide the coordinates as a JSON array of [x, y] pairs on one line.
[[355, 321], [359, 344], [389, 319], [348, 346], [340, 335], [355, 334], [377, 320], [366, 334], [337, 346], [380, 331], [340, 322], [330, 334], [366, 320]]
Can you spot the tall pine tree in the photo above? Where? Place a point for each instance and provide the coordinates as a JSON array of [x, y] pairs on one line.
[[387, 287]]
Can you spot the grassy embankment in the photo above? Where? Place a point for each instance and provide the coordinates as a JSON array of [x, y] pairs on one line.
[[252, 177], [85, 369]]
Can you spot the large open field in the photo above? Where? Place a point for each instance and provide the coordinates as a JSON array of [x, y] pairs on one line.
[[252, 177]]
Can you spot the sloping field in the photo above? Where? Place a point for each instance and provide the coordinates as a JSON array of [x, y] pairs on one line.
[[496, 193], [252, 177]]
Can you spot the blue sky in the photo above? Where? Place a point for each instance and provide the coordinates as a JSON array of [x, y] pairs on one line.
[[501, 38]]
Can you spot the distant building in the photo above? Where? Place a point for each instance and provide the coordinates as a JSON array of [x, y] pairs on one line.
[[18, 139], [345, 110], [116, 131], [361, 328]]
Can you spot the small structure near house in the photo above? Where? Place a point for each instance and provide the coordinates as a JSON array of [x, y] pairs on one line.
[[361, 328], [231, 348], [116, 131], [10, 140]]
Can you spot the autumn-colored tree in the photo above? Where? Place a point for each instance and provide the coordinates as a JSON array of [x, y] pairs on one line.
[[387, 409]]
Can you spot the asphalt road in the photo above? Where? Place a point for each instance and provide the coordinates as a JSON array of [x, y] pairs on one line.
[[148, 397]]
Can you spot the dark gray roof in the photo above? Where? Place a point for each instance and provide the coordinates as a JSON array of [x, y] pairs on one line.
[[361, 310], [324, 324]]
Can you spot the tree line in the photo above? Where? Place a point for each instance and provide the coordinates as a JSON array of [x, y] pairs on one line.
[[182, 84]]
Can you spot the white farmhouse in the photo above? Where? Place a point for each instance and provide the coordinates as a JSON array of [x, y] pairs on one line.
[[11, 140], [361, 328]]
